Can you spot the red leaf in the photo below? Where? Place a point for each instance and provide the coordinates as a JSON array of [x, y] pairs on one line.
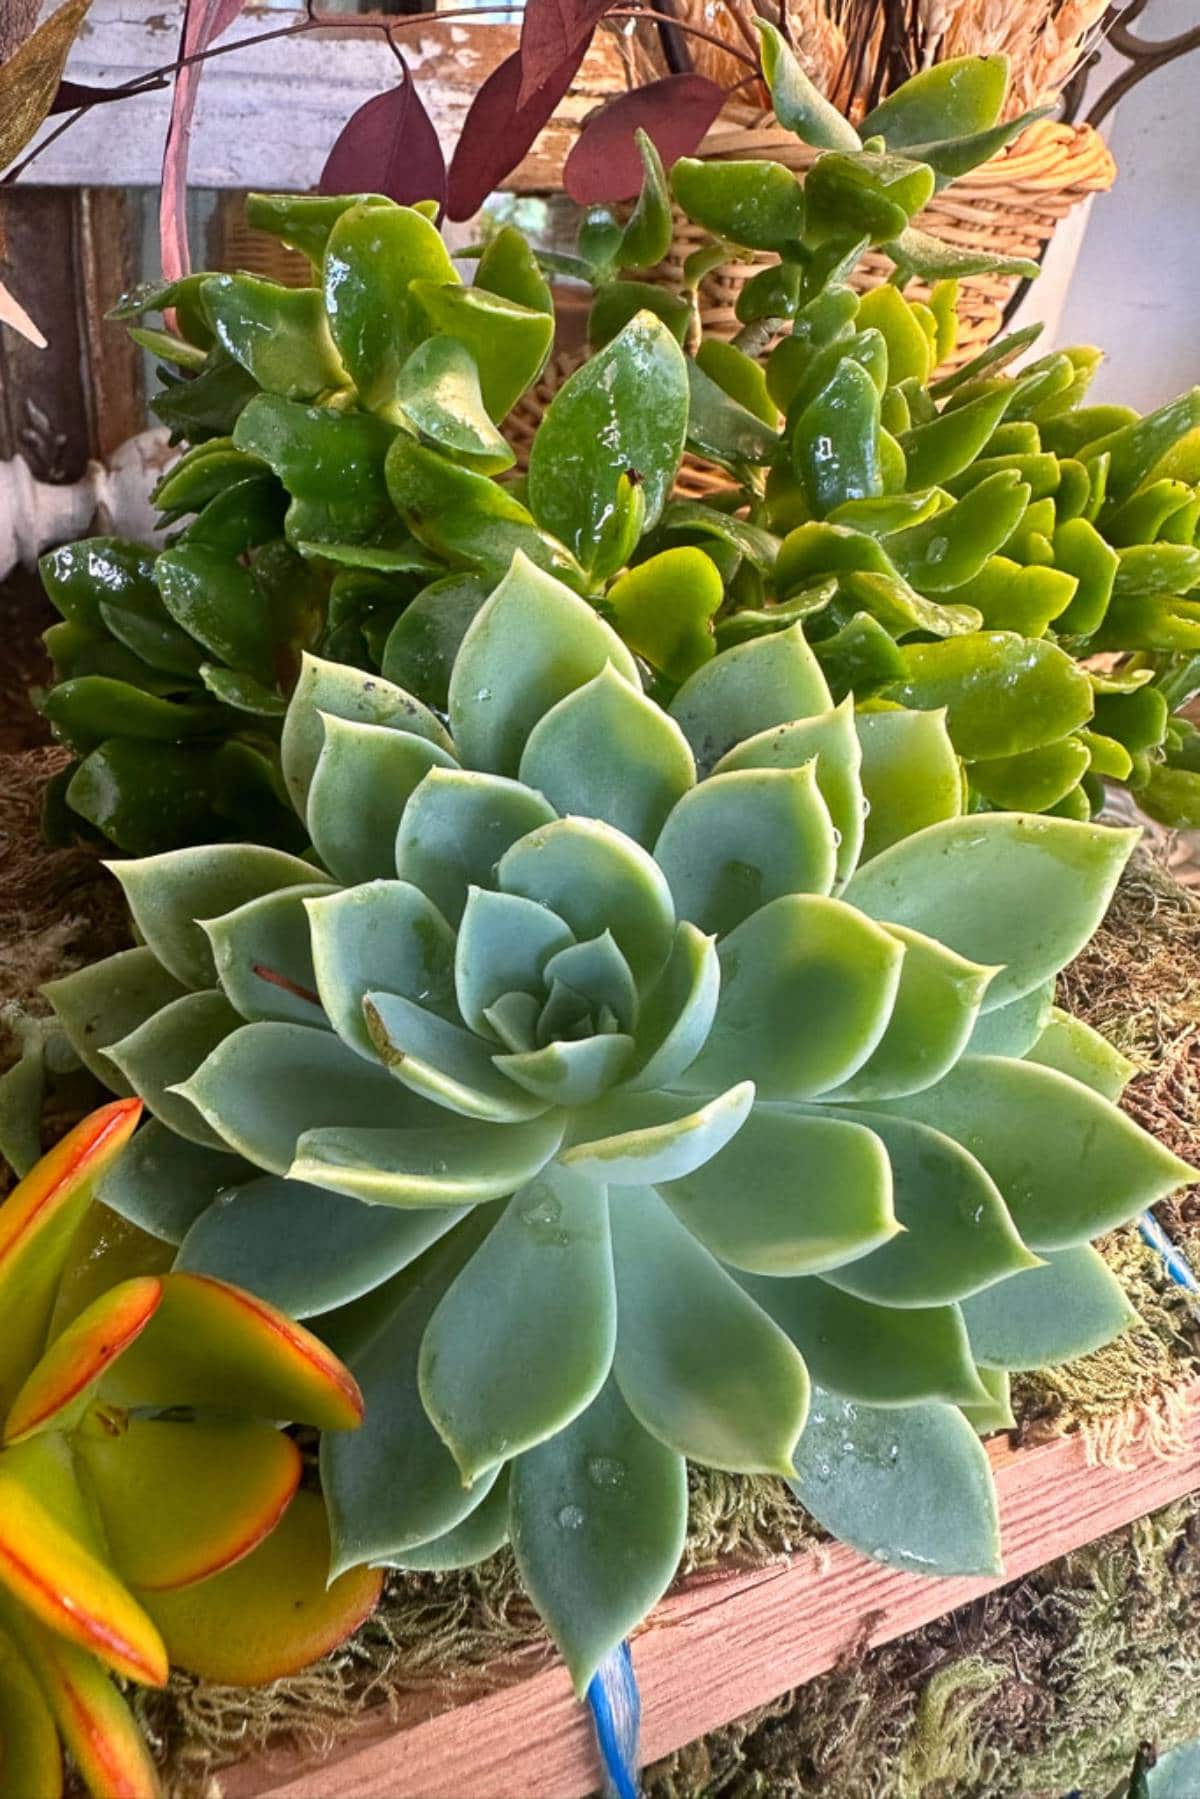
[[73, 94], [675, 113], [203, 23], [552, 31], [499, 129], [389, 146]]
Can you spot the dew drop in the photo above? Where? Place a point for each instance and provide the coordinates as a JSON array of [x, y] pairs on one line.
[[483, 695], [605, 1471], [570, 1517]]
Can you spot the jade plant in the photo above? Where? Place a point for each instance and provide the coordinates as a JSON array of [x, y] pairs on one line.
[[972, 541], [149, 1512], [615, 1084]]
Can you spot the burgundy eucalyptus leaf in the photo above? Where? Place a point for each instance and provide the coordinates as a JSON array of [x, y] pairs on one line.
[[73, 94], [551, 32], [389, 146], [675, 113], [203, 23], [499, 129]]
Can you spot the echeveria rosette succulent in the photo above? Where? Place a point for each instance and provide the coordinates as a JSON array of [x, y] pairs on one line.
[[605, 1076], [149, 1512]]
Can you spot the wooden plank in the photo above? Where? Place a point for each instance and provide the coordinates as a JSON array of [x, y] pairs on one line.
[[719, 1646], [314, 82]]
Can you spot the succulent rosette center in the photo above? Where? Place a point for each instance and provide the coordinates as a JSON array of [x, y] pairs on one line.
[[607, 1081]]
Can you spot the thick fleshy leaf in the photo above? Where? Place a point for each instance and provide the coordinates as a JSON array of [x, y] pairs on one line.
[[439, 392], [264, 957], [103, 1002], [698, 1363], [508, 342], [957, 1236], [168, 893], [78, 1357], [911, 776], [38, 1221], [422, 644], [596, 880], [908, 1486], [442, 1062], [179, 1502], [1012, 1030], [533, 643], [635, 1139], [364, 777], [801, 958], [677, 1012], [273, 1612], [59, 1580], [210, 1344], [166, 1050], [1047, 1315], [626, 408], [798, 104], [793, 1193], [445, 1165], [831, 742], [756, 203], [768, 681], [504, 943], [1069, 1165], [480, 1534], [1002, 693], [331, 688], [598, 1520], [523, 1340], [96, 1724], [646, 768], [162, 1182], [32, 1758], [1001, 889], [273, 1237], [1074, 1048], [878, 1355], [571, 1073], [379, 934], [279, 334], [372, 255], [742, 839], [936, 1007], [456, 828], [267, 1083]]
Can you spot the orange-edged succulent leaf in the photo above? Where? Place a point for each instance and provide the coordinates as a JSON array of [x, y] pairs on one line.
[[105, 1250], [182, 1501], [56, 1392], [210, 1344], [37, 1223], [48, 1564], [96, 1724], [272, 1613], [30, 1759]]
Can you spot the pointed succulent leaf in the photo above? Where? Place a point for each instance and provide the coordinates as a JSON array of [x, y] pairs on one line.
[[874, 1355], [272, 1613], [798, 105], [103, 1002], [1012, 1030], [949, 548], [1003, 693], [217, 600], [1074, 1048], [830, 741], [459, 1165], [964, 94], [379, 934], [571, 1073], [330, 688], [267, 1083], [97, 1725], [699, 1364], [595, 879], [422, 644], [363, 780], [665, 606], [32, 1758], [273, 1236], [957, 1234], [911, 776], [503, 946], [908, 1486], [634, 1139], [1067, 1162], [280, 335], [372, 256], [742, 839], [801, 956], [647, 765], [598, 1521], [533, 643], [162, 1182], [791, 1194], [1067, 1308], [509, 342], [481, 1533], [444, 1063], [936, 1007], [995, 1412], [598, 973], [165, 1051], [624, 412], [438, 391], [167, 894], [1001, 889], [455, 829], [58, 1387], [263, 955], [768, 681], [179, 1502], [523, 1340], [676, 1013]]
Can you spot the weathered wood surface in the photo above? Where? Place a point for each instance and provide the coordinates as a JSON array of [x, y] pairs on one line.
[[717, 1647], [268, 115]]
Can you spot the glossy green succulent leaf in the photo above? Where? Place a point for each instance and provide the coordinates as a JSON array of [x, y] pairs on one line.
[[508, 267], [949, 443], [758, 204], [721, 429], [106, 582], [372, 257], [331, 464], [1069, 1307], [961, 95], [769, 681], [1003, 694], [1034, 780], [908, 1486], [954, 156], [218, 602], [598, 1520], [741, 377], [280, 335], [1016, 598], [619, 302], [797, 104], [919, 253], [303, 221], [646, 237], [835, 443], [438, 391], [871, 193], [509, 343], [664, 609]]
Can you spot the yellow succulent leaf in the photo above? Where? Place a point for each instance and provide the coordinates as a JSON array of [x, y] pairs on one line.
[[57, 1389], [30, 1759], [95, 1722]]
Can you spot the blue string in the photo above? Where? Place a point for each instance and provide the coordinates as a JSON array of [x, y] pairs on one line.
[[616, 1708], [1173, 1258]]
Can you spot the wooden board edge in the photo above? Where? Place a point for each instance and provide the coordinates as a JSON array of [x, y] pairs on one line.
[[720, 1645]]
